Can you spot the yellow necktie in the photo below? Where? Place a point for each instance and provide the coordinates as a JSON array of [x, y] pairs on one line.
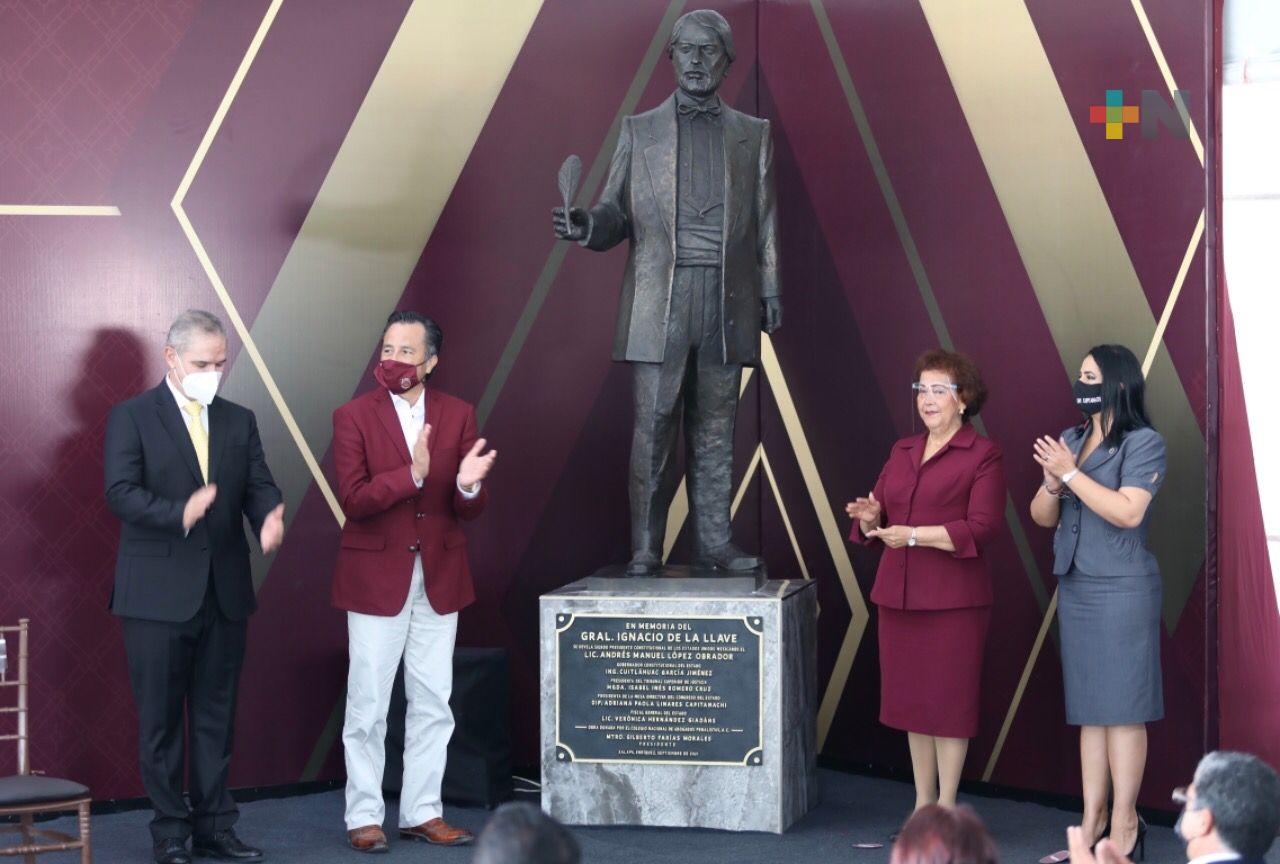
[[199, 437]]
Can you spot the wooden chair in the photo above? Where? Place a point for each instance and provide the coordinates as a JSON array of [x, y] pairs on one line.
[[25, 794]]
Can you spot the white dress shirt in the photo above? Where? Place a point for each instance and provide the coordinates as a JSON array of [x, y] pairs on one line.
[[412, 419], [1215, 857], [186, 417], [182, 401]]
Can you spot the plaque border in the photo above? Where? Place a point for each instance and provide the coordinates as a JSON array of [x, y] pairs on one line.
[[563, 620]]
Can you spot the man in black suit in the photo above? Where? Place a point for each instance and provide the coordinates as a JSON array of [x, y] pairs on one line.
[[691, 188], [183, 470]]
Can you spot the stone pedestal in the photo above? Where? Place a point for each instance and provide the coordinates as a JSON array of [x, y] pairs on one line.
[[679, 702]]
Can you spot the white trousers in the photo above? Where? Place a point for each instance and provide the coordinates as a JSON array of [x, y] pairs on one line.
[[424, 638]]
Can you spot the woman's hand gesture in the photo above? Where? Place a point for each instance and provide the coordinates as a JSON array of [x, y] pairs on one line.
[[865, 510]]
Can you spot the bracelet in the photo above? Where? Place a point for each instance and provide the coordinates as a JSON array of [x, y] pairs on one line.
[[1059, 493]]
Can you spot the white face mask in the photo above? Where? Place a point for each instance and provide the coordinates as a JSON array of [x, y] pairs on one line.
[[201, 386]]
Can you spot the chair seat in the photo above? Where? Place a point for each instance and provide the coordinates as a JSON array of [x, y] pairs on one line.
[[23, 789]]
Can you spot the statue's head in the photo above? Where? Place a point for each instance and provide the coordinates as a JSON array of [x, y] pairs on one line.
[[701, 50]]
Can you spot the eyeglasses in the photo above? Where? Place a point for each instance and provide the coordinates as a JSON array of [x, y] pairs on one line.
[[939, 391], [1179, 796]]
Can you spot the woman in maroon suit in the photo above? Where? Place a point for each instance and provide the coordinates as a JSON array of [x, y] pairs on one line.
[[937, 505]]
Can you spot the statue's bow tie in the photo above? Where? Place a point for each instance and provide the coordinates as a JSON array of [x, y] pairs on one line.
[[694, 110]]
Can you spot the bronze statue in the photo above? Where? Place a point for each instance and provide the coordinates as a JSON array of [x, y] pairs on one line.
[[691, 186]]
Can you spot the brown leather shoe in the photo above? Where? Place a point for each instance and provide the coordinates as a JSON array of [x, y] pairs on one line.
[[367, 838], [439, 832]]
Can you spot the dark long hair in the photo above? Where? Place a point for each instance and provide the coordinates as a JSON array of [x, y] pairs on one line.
[[1123, 392]]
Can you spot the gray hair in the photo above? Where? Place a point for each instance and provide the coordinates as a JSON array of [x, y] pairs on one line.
[[710, 19], [1243, 794], [191, 322], [520, 833]]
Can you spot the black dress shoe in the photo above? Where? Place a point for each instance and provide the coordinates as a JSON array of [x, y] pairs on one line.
[[729, 557], [171, 851], [644, 564], [225, 846]]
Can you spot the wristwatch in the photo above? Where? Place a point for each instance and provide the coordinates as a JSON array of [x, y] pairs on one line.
[[911, 541], [1069, 476]]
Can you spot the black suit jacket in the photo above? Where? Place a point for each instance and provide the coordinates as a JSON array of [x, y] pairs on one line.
[[151, 471], [638, 203]]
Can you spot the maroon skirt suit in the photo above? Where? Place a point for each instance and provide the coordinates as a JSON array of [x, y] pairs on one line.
[[935, 606]]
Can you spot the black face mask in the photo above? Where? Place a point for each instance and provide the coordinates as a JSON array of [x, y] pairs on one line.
[[1088, 396]]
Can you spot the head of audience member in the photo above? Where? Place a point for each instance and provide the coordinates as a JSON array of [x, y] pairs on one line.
[[1231, 807], [520, 833], [944, 835]]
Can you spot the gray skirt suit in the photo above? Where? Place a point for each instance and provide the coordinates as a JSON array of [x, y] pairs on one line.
[[1109, 591]]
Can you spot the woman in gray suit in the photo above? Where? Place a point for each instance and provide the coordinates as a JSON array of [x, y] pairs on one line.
[[1099, 480]]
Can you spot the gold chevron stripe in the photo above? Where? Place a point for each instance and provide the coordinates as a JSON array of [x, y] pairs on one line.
[[1174, 294], [746, 480], [211, 272], [1150, 33], [860, 614], [782, 511], [881, 172], [1022, 686], [831, 532], [58, 210], [760, 459]]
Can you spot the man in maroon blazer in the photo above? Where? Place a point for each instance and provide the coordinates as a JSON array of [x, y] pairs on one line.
[[410, 470]]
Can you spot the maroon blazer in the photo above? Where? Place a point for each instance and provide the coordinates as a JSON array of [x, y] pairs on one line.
[[962, 489], [389, 519]]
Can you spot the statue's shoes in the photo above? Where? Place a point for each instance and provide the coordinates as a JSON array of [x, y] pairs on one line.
[[644, 564], [729, 557]]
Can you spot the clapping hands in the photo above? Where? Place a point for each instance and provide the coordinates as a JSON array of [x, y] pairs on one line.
[[476, 467], [272, 534], [1054, 456]]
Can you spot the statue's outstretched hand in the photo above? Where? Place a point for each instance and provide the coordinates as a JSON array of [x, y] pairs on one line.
[[572, 228]]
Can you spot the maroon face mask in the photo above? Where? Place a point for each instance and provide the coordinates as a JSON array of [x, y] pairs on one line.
[[396, 376]]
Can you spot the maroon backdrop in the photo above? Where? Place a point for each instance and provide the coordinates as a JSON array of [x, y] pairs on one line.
[[106, 103]]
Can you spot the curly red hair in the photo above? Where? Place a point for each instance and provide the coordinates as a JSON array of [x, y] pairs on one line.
[[964, 373]]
